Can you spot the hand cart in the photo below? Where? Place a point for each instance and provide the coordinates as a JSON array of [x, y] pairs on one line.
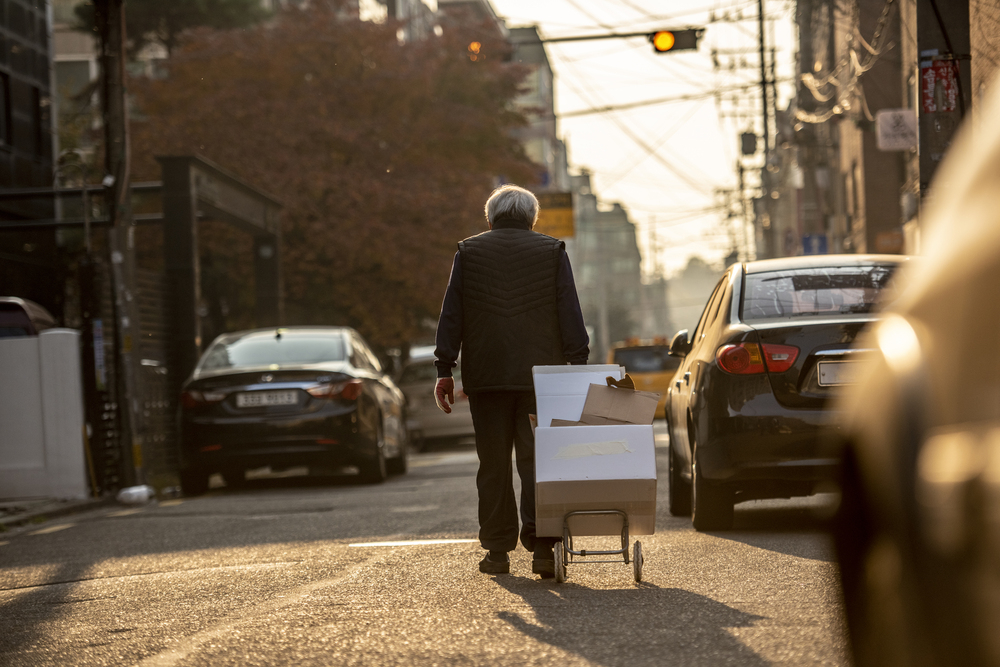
[[565, 553]]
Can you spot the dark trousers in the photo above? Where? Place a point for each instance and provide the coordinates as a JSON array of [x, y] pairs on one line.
[[501, 422]]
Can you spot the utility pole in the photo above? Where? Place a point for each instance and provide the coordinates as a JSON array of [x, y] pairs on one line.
[[763, 94], [765, 181], [110, 20]]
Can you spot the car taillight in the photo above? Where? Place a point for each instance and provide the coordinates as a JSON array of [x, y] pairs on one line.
[[192, 398], [779, 358], [740, 359], [348, 391]]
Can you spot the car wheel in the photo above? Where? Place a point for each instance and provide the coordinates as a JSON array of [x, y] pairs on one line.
[[194, 481], [374, 470], [235, 478], [397, 465], [711, 505], [680, 488]]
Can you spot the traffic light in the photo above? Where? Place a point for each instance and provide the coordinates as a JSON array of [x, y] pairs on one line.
[[668, 41]]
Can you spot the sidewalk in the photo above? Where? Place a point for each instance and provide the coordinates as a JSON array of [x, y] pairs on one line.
[[18, 512]]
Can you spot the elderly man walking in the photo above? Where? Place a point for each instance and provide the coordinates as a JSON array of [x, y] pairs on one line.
[[511, 304]]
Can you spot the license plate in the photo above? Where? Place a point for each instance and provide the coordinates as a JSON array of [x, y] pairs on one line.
[[832, 373], [259, 399]]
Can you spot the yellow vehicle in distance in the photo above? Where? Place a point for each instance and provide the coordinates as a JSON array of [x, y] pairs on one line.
[[648, 362]]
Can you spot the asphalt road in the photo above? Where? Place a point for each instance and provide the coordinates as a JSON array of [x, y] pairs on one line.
[[331, 572]]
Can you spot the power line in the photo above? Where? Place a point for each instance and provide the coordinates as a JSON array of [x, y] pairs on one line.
[[662, 100]]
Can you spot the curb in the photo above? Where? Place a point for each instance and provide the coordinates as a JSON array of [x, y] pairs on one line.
[[51, 510]]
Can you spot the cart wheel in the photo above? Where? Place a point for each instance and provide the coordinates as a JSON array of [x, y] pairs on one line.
[[560, 563], [637, 560]]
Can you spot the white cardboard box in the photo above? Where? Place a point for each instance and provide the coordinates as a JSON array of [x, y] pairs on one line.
[[595, 468], [561, 391]]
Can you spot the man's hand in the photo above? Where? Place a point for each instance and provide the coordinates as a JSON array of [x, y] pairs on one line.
[[445, 389]]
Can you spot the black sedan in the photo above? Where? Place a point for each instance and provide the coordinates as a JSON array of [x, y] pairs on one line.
[[283, 398], [748, 405]]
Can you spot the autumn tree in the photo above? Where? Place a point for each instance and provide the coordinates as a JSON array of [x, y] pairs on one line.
[[163, 22], [382, 153]]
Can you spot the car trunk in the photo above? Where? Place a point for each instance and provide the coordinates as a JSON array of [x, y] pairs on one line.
[[235, 383], [826, 360]]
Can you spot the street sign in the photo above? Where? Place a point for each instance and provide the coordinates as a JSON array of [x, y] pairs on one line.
[[555, 214], [814, 244], [895, 129]]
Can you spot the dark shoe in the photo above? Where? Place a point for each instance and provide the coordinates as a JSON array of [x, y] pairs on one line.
[[495, 562], [545, 567]]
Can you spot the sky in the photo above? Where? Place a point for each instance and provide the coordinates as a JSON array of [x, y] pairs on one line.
[[662, 162]]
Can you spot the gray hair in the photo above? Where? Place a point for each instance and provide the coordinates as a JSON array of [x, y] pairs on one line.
[[512, 201]]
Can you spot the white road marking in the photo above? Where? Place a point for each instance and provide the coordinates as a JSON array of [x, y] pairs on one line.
[[4, 543], [52, 529], [171, 503], [125, 512], [409, 543], [415, 508], [427, 460]]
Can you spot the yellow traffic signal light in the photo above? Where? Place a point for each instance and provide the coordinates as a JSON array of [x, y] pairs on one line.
[[667, 41], [663, 40]]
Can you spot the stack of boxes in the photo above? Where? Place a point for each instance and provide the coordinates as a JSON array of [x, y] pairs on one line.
[[594, 450]]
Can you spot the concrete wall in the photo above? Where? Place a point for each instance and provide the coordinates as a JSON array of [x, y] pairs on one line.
[[41, 417]]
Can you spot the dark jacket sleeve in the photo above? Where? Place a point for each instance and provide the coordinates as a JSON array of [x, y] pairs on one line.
[[576, 342], [449, 329]]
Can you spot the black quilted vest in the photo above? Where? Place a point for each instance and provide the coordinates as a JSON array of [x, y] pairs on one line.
[[510, 321]]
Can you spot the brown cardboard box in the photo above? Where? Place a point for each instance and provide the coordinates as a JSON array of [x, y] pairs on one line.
[[555, 499], [595, 468], [618, 402]]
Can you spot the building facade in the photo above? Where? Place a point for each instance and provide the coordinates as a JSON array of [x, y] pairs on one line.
[[29, 265]]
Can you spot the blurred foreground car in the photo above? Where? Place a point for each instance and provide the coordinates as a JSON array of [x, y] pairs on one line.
[[650, 364], [748, 404], [918, 531], [425, 421], [282, 398]]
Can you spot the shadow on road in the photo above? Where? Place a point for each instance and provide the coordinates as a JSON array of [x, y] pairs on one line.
[[642, 625], [787, 530]]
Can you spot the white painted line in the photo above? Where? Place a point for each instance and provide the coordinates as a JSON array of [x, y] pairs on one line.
[[409, 543], [4, 543], [415, 508], [171, 503], [52, 529], [125, 512]]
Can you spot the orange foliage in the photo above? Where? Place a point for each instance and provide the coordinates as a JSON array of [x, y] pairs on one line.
[[382, 153]]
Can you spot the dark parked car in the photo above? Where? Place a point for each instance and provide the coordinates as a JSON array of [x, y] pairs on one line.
[[282, 398], [748, 404], [918, 532], [21, 317], [426, 422]]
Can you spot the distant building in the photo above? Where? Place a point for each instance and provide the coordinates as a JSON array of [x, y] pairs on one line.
[[26, 139], [540, 138], [28, 259], [606, 265], [689, 291]]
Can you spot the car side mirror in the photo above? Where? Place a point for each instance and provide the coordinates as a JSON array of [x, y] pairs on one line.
[[680, 345]]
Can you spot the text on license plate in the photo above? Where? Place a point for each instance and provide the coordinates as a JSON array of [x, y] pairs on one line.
[[264, 398], [838, 372]]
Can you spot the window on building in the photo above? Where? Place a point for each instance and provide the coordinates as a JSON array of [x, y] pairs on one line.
[[37, 121], [5, 124], [72, 79]]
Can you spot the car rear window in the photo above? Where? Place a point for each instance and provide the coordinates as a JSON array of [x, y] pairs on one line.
[[653, 359], [816, 291], [266, 349]]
